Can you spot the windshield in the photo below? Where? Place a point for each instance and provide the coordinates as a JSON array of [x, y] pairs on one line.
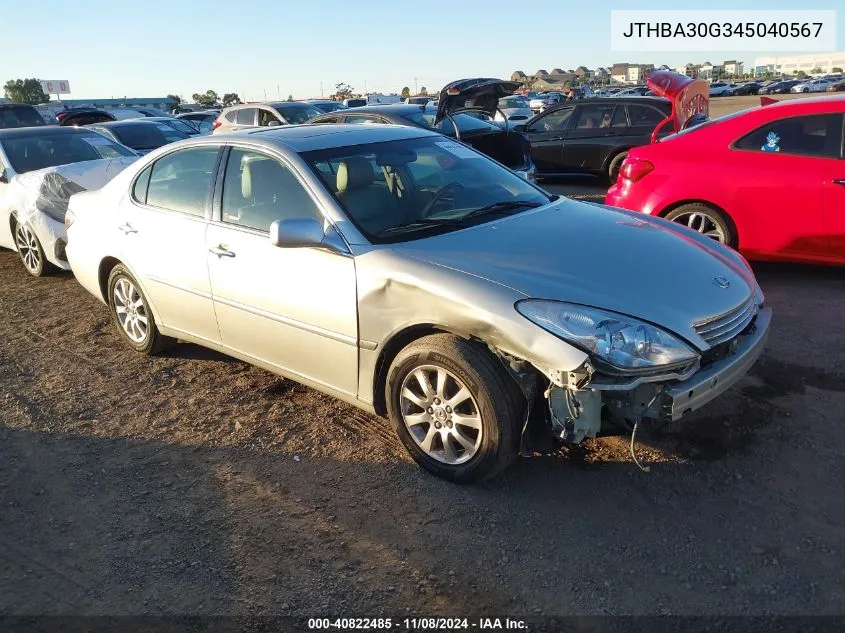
[[38, 151], [145, 136], [512, 102], [298, 113], [466, 122], [413, 188], [19, 116]]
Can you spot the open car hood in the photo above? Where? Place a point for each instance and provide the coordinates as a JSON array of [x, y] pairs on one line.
[[480, 94], [690, 98]]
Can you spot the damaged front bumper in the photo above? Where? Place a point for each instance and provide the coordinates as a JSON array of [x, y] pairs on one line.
[[576, 400]]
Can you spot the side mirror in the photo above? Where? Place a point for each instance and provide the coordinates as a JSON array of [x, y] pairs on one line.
[[3, 176], [296, 233], [519, 128], [273, 123]]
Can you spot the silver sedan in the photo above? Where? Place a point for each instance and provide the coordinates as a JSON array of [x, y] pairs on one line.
[[411, 276]]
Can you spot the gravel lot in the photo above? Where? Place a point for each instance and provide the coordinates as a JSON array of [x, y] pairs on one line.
[[195, 484]]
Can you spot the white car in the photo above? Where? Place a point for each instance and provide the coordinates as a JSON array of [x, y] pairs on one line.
[[721, 88], [515, 110], [814, 85], [544, 101], [40, 168]]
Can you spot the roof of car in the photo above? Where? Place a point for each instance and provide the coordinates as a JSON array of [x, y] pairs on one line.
[[304, 138], [389, 108], [127, 122], [821, 99], [40, 130]]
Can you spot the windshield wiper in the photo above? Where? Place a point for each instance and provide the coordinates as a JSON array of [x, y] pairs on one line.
[[501, 207], [497, 207]]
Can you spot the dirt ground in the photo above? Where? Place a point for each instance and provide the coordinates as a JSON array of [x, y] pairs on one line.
[[195, 484]]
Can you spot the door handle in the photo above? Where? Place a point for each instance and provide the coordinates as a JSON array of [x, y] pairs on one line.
[[839, 181], [127, 228], [220, 251]]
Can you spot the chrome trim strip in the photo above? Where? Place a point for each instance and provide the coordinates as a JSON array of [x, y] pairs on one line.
[[305, 327]]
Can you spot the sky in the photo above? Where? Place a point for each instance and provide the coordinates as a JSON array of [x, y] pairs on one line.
[[111, 48]]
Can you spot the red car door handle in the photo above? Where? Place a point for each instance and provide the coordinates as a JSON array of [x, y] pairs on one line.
[[839, 181]]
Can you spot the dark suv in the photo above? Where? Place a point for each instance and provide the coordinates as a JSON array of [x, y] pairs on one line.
[[19, 115]]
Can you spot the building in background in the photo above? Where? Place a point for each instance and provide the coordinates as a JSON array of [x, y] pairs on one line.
[[733, 68], [809, 64]]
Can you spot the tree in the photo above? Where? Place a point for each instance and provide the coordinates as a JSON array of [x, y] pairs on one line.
[[230, 99], [208, 100], [836, 69], [817, 70], [290, 97], [800, 74], [423, 91], [343, 91], [25, 91], [177, 100], [406, 92]]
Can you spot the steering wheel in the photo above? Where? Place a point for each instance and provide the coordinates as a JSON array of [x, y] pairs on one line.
[[440, 196]]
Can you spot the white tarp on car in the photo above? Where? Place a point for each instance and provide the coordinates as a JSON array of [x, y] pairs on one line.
[[40, 198]]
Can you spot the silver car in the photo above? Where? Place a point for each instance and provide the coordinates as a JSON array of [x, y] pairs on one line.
[[416, 278]]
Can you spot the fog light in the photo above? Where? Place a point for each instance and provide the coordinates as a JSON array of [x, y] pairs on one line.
[[59, 250]]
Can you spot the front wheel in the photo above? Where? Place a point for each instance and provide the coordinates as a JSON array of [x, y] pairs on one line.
[[31, 252], [706, 220], [132, 315], [454, 408]]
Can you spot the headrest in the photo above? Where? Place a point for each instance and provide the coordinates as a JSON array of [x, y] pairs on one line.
[[354, 173], [256, 173]]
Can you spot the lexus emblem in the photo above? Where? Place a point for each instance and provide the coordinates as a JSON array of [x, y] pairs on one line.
[[722, 282]]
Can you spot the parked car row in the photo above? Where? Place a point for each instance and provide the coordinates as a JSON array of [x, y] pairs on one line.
[[432, 284]]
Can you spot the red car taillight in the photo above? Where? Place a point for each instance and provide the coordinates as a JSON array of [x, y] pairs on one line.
[[633, 169], [217, 123]]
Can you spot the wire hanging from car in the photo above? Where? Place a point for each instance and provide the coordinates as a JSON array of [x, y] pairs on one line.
[[645, 469]]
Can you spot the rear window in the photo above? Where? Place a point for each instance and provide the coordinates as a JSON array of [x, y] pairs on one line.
[[245, 116], [51, 150], [297, 113], [144, 137], [19, 116], [512, 103]]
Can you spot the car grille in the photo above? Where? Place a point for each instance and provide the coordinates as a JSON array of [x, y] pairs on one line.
[[726, 326]]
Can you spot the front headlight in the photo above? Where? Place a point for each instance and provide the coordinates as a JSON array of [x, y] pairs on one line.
[[621, 341]]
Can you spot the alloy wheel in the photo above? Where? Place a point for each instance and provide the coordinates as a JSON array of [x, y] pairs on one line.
[[131, 310], [704, 224], [28, 249], [440, 414]]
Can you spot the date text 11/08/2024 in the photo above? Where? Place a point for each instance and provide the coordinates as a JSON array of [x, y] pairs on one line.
[[416, 624]]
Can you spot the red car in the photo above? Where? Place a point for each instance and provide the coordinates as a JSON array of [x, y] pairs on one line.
[[769, 181]]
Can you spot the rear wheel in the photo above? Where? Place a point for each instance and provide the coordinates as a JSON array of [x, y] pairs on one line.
[[454, 408], [132, 315], [614, 166], [706, 220], [31, 252]]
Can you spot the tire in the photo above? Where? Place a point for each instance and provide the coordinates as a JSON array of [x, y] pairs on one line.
[[482, 431], [30, 251], [614, 166], [137, 326], [715, 223]]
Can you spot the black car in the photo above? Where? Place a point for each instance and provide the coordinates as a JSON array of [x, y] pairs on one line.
[[750, 88], [14, 115], [456, 115], [203, 121], [779, 87], [592, 136], [82, 116], [140, 134]]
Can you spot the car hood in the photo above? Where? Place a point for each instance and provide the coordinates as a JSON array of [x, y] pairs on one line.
[[473, 94], [690, 97], [598, 256]]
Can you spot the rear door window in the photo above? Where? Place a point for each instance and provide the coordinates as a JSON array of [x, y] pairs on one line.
[[594, 116], [816, 135], [245, 116], [643, 115], [265, 116], [182, 181]]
